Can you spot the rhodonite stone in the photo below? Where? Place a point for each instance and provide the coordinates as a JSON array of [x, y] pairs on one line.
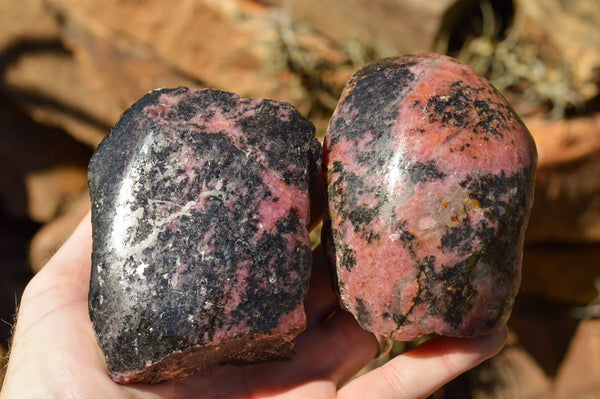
[[201, 254], [429, 178]]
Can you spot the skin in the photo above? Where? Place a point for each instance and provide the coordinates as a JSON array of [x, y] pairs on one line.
[[54, 353]]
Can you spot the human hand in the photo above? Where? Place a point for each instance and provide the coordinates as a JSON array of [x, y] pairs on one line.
[[55, 354]]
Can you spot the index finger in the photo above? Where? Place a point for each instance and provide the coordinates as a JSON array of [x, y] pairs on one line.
[[65, 277]]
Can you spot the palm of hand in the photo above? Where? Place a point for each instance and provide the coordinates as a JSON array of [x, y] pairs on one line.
[[55, 353]]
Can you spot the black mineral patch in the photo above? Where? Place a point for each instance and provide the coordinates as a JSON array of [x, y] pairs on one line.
[[461, 106], [459, 239], [362, 312], [372, 93], [424, 171], [348, 258]]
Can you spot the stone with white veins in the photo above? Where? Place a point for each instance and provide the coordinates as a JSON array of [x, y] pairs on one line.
[[201, 254]]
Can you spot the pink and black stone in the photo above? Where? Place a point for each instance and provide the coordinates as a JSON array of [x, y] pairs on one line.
[[201, 253], [429, 178]]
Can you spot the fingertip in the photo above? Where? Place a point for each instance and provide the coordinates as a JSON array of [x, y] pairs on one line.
[[487, 345], [493, 343], [483, 346], [501, 336]]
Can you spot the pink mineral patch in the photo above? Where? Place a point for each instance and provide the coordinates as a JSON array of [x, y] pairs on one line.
[[284, 199]]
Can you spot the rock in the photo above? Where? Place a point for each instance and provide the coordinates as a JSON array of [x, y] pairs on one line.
[[49, 84], [561, 363], [25, 20], [429, 179], [567, 191], [515, 44], [513, 373], [562, 273], [579, 375], [189, 38], [201, 254], [53, 234], [41, 168], [50, 189], [567, 56], [44, 78], [125, 48], [397, 26], [563, 236]]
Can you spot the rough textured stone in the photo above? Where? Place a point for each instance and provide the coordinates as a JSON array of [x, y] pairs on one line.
[[201, 257], [429, 184]]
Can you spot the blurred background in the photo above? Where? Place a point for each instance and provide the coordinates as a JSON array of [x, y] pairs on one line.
[[69, 68]]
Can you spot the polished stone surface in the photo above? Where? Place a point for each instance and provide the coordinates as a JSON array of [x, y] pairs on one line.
[[429, 178], [200, 208]]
